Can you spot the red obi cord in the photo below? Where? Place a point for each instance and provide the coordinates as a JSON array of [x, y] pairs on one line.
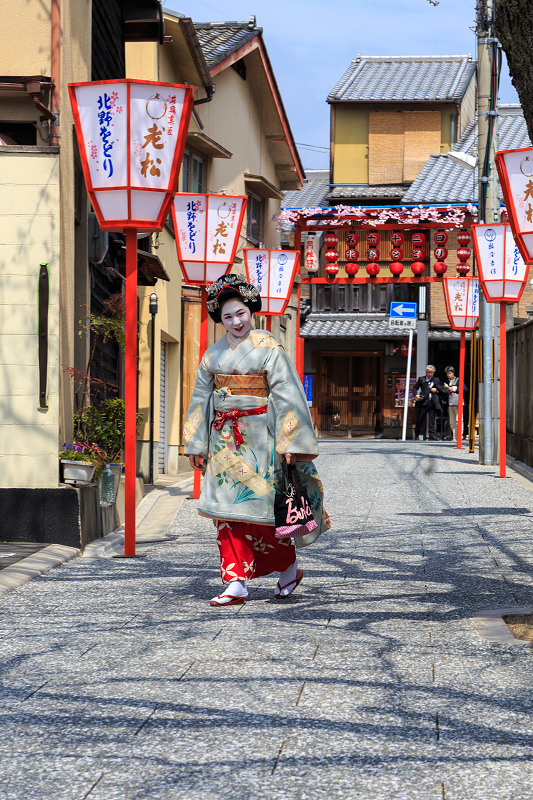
[[233, 416]]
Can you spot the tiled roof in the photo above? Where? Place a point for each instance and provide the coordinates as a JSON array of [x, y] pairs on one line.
[[313, 193], [375, 326], [442, 181], [363, 190], [220, 39], [404, 78]]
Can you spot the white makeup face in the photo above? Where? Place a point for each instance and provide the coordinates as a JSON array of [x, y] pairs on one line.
[[236, 318]]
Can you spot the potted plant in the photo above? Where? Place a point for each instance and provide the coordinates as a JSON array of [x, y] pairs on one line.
[[80, 462]]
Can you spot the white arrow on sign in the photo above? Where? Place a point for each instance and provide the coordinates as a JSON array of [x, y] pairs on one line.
[[399, 310]]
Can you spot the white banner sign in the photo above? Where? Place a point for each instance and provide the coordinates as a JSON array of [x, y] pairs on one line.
[[501, 267], [207, 231], [273, 272]]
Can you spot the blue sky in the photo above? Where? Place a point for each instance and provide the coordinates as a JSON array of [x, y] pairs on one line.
[[311, 44]]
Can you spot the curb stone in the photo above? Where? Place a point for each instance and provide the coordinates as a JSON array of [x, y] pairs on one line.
[[491, 626], [31, 567]]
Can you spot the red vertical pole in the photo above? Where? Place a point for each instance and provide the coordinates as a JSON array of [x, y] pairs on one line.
[[461, 390], [268, 322], [503, 391], [130, 447], [203, 348], [299, 340]]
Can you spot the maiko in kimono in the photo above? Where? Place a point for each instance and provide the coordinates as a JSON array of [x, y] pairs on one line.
[[248, 411]]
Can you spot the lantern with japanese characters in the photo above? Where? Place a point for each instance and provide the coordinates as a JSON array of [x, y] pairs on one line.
[[131, 137], [461, 296], [502, 270], [207, 228], [515, 170], [273, 272]]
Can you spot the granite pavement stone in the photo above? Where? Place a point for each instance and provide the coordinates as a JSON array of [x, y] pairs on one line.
[[371, 682]]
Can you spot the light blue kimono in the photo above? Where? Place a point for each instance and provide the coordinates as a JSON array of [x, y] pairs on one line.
[[240, 482]]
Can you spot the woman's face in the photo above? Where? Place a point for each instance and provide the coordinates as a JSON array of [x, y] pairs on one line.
[[450, 375], [236, 318]]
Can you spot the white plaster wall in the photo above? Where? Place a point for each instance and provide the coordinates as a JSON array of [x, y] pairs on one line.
[[29, 234]]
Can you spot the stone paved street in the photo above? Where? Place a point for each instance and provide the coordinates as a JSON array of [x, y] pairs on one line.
[[119, 680]]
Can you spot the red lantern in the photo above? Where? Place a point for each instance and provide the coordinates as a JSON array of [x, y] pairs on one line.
[[372, 254], [396, 253], [352, 240], [440, 267], [464, 253], [352, 254], [273, 272], [332, 268], [418, 255], [397, 239], [372, 239], [463, 238], [331, 239], [404, 349], [396, 268], [462, 302], [372, 269], [441, 253], [351, 268], [418, 267], [418, 239], [463, 268], [502, 270], [441, 237], [332, 254]]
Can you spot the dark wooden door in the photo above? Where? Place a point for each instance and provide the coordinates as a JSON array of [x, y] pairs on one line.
[[350, 394]]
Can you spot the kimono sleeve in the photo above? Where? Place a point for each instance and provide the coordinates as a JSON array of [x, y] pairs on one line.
[[294, 431], [199, 414]]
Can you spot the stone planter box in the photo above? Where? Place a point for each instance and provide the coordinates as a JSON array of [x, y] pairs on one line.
[[80, 473]]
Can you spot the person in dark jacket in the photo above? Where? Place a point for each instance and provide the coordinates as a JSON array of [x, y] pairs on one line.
[[426, 393], [452, 384]]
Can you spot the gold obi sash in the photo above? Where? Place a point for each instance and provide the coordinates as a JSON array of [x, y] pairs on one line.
[[254, 385]]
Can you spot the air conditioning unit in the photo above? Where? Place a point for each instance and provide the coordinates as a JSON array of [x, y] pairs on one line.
[[98, 240]]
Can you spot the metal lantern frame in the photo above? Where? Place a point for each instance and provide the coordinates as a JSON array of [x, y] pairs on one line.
[[469, 319], [185, 221], [505, 254], [98, 194], [132, 115], [515, 178], [269, 297]]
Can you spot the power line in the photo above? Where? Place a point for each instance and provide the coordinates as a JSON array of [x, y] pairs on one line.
[[313, 147]]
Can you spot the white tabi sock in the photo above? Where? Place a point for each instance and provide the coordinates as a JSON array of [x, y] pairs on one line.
[[288, 577], [235, 589]]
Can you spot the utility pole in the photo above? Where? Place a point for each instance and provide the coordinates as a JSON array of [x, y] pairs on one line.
[[489, 204]]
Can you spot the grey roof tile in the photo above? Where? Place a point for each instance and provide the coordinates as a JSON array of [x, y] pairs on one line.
[[404, 78], [442, 181], [375, 326], [220, 39], [312, 195], [364, 190]]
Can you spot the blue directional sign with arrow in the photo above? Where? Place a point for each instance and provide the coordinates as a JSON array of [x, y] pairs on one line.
[[403, 310]]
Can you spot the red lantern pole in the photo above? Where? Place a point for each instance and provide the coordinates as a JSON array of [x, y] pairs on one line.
[[203, 347], [299, 341], [461, 390], [130, 446], [268, 323], [503, 391]]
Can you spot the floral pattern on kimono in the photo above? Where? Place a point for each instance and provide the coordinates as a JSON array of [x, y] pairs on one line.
[[249, 551], [240, 482]]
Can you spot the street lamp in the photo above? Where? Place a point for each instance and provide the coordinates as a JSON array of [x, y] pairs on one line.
[[153, 311]]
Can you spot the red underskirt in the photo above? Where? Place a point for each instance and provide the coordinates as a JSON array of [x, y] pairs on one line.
[[248, 550]]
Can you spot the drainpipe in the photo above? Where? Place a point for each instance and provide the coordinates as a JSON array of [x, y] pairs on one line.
[[55, 64]]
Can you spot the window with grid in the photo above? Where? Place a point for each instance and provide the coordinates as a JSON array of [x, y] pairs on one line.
[[193, 172], [254, 225]]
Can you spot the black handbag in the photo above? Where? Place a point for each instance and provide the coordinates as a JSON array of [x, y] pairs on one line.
[[292, 511]]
